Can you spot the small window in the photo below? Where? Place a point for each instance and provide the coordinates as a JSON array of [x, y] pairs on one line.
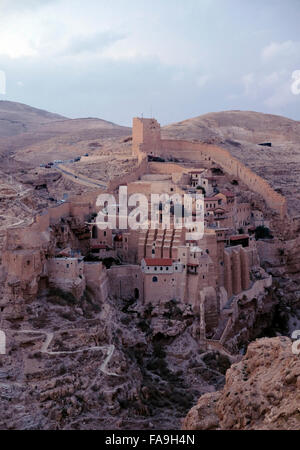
[[154, 280], [68, 266]]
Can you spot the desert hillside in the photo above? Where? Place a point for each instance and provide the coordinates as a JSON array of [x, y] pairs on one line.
[[249, 126], [241, 132], [49, 137], [23, 127], [17, 118], [30, 137]]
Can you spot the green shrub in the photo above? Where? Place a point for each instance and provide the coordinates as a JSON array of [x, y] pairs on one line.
[[262, 232], [62, 298]]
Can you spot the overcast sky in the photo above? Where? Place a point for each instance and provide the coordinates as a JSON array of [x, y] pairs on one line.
[[172, 59]]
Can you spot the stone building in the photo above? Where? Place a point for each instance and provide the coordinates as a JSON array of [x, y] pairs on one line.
[[156, 264], [164, 280], [67, 274]]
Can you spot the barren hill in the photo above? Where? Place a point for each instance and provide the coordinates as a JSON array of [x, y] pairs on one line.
[[17, 118], [241, 132], [23, 127], [30, 137]]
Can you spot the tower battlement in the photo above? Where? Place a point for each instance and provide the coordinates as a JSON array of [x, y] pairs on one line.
[[145, 136]]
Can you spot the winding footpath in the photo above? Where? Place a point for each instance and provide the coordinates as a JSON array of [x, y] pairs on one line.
[[49, 337]]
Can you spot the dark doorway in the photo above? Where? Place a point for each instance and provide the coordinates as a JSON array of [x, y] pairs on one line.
[[94, 232]]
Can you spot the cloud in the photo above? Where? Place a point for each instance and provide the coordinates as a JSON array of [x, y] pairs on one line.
[[280, 97], [271, 79], [2, 82], [248, 82], [94, 43], [17, 6], [178, 76], [295, 86], [270, 83], [202, 80], [272, 90], [282, 51], [116, 59]]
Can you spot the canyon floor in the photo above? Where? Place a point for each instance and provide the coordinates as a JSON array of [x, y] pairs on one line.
[[149, 376]]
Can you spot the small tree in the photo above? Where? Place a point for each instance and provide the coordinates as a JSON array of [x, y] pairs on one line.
[[201, 188], [262, 232]]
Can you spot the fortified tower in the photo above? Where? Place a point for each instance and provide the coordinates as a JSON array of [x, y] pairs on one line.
[[145, 136]]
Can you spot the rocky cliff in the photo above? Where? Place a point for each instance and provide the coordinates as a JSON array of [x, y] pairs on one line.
[[262, 392]]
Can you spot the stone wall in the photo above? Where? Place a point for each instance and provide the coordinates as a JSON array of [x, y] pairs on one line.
[[209, 155], [133, 175], [96, 279], [126, 282], [168, 286]]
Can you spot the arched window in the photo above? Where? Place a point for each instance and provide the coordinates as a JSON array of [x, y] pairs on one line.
[[155, 279]]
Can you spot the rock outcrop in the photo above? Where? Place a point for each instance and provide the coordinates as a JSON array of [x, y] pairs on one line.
[[262, 392]]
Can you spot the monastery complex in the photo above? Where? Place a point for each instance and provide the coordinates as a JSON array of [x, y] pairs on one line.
[[65, 249]]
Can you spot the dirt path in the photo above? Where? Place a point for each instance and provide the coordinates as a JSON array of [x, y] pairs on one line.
[[81, 179], [49, 337]]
